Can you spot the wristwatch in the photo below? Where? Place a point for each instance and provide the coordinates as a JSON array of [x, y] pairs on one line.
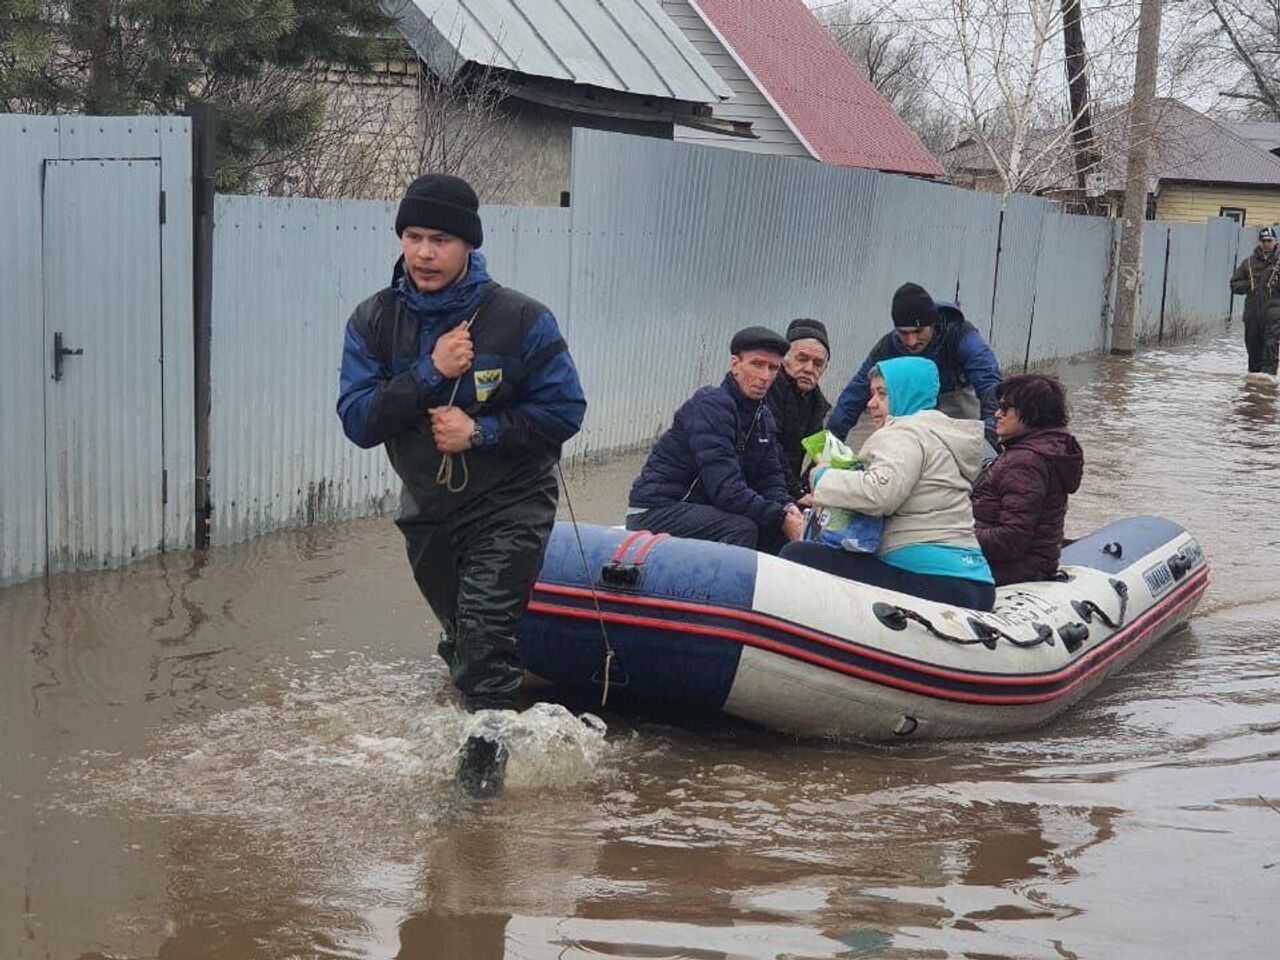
[[477, 437]]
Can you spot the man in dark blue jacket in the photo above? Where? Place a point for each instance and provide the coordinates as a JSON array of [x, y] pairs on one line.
[[716, 474], [472, 391], [967, 369]]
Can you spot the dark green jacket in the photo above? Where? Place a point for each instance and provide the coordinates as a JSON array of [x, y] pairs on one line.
[[1257, 279]]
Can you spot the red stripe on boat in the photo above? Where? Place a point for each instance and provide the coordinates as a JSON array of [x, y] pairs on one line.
[[840, 643], [1112, 646]]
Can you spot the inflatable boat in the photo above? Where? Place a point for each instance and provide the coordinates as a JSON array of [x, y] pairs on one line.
[[685, 625]]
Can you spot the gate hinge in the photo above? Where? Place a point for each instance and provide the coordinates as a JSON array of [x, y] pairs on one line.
[[164, 486], [162, 207]]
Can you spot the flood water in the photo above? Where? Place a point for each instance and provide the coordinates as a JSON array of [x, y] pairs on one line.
[[248, 755]]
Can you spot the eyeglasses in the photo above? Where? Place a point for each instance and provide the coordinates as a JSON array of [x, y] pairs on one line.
[[1004, 406]]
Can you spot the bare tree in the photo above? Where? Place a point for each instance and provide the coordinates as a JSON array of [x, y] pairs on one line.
[[1008, 85], [1233, 48], [464, 128], [1006, 75], [382, 129], [897, 63]]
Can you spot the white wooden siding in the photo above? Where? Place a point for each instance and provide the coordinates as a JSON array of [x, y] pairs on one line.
[[748, 102]]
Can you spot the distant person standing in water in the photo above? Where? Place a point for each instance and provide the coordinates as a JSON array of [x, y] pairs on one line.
[[1271, 337], [1257, 279], [471, 388]]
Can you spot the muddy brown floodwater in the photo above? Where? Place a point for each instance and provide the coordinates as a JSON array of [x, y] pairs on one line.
[[248, 754]]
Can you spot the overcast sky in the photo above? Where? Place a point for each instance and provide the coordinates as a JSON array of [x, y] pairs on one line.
[[1110, 34]]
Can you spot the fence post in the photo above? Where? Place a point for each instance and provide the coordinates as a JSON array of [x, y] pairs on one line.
[[204, 152], [995, 278], [1164, 284]]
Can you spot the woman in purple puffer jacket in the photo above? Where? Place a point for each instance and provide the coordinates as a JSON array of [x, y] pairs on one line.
[[1020, 503]]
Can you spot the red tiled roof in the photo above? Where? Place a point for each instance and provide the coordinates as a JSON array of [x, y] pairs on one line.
[[833, 106]]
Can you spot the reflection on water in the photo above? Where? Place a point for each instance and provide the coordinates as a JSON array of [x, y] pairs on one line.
[[248, 755]]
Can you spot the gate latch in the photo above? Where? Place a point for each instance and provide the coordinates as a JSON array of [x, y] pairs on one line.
[[59, 351]]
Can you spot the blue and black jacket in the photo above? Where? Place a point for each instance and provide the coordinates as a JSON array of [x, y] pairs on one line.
[[522, 389], [962, 356], [722, 450]]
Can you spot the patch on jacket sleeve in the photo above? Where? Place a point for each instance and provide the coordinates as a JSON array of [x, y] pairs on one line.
[[487, 381]]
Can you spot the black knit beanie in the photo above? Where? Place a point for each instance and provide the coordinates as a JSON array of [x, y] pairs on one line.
[[913, 307], [804, 328], [437, 201]]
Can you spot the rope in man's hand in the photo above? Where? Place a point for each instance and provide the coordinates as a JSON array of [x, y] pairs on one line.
[[444, 475]]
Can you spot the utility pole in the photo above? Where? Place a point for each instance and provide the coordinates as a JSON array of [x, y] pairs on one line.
[[1083, 149], [1135, 191]]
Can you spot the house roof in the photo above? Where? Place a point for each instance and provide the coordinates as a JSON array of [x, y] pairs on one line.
[[625, 45], [1186, 146], [835, 111], [1264, 135], [1196, 147]]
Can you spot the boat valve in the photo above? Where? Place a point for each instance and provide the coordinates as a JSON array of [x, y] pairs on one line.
[[621, 574], [1073, 636]]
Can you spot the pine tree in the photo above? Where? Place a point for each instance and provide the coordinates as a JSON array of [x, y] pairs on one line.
[[120, 57]]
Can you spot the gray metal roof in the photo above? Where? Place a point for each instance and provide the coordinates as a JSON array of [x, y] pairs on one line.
[[1264, 135], [626, 45], [1186, 146]]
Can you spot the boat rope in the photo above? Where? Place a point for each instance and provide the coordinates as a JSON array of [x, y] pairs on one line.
[[895, 618], [591, 583], [444, 475], [1087, 609]]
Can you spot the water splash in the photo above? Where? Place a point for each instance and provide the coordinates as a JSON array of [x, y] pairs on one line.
[[329, 751], [549, 747]]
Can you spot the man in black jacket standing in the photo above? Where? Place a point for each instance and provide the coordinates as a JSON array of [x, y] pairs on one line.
[[796, 400], [1257, 278], [471, 389]]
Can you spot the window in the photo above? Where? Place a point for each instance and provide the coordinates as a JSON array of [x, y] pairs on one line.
[[1232, 213]]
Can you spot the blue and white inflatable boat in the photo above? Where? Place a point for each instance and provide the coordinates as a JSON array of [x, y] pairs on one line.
[[707, 626]]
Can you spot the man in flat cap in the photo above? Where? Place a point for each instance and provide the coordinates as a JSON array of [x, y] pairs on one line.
[[796, 400], [968, 371], [472, 391], [1257, 279], [716, 474]]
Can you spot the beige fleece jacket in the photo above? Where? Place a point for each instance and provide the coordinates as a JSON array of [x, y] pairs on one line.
[[919, 474]]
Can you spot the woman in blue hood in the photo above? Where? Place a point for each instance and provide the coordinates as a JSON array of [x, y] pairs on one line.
[[920, 467]]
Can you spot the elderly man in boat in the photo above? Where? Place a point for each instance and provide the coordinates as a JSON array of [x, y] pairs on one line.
[[716, 473], [797, 401]]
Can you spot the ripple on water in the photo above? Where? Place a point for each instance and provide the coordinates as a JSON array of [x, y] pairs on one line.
[[355, 751]]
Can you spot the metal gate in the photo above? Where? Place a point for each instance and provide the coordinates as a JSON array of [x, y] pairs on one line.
[[104, 434]]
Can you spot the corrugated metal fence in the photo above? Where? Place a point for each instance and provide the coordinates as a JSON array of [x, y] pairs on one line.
[[97, 457], [667, 249]]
